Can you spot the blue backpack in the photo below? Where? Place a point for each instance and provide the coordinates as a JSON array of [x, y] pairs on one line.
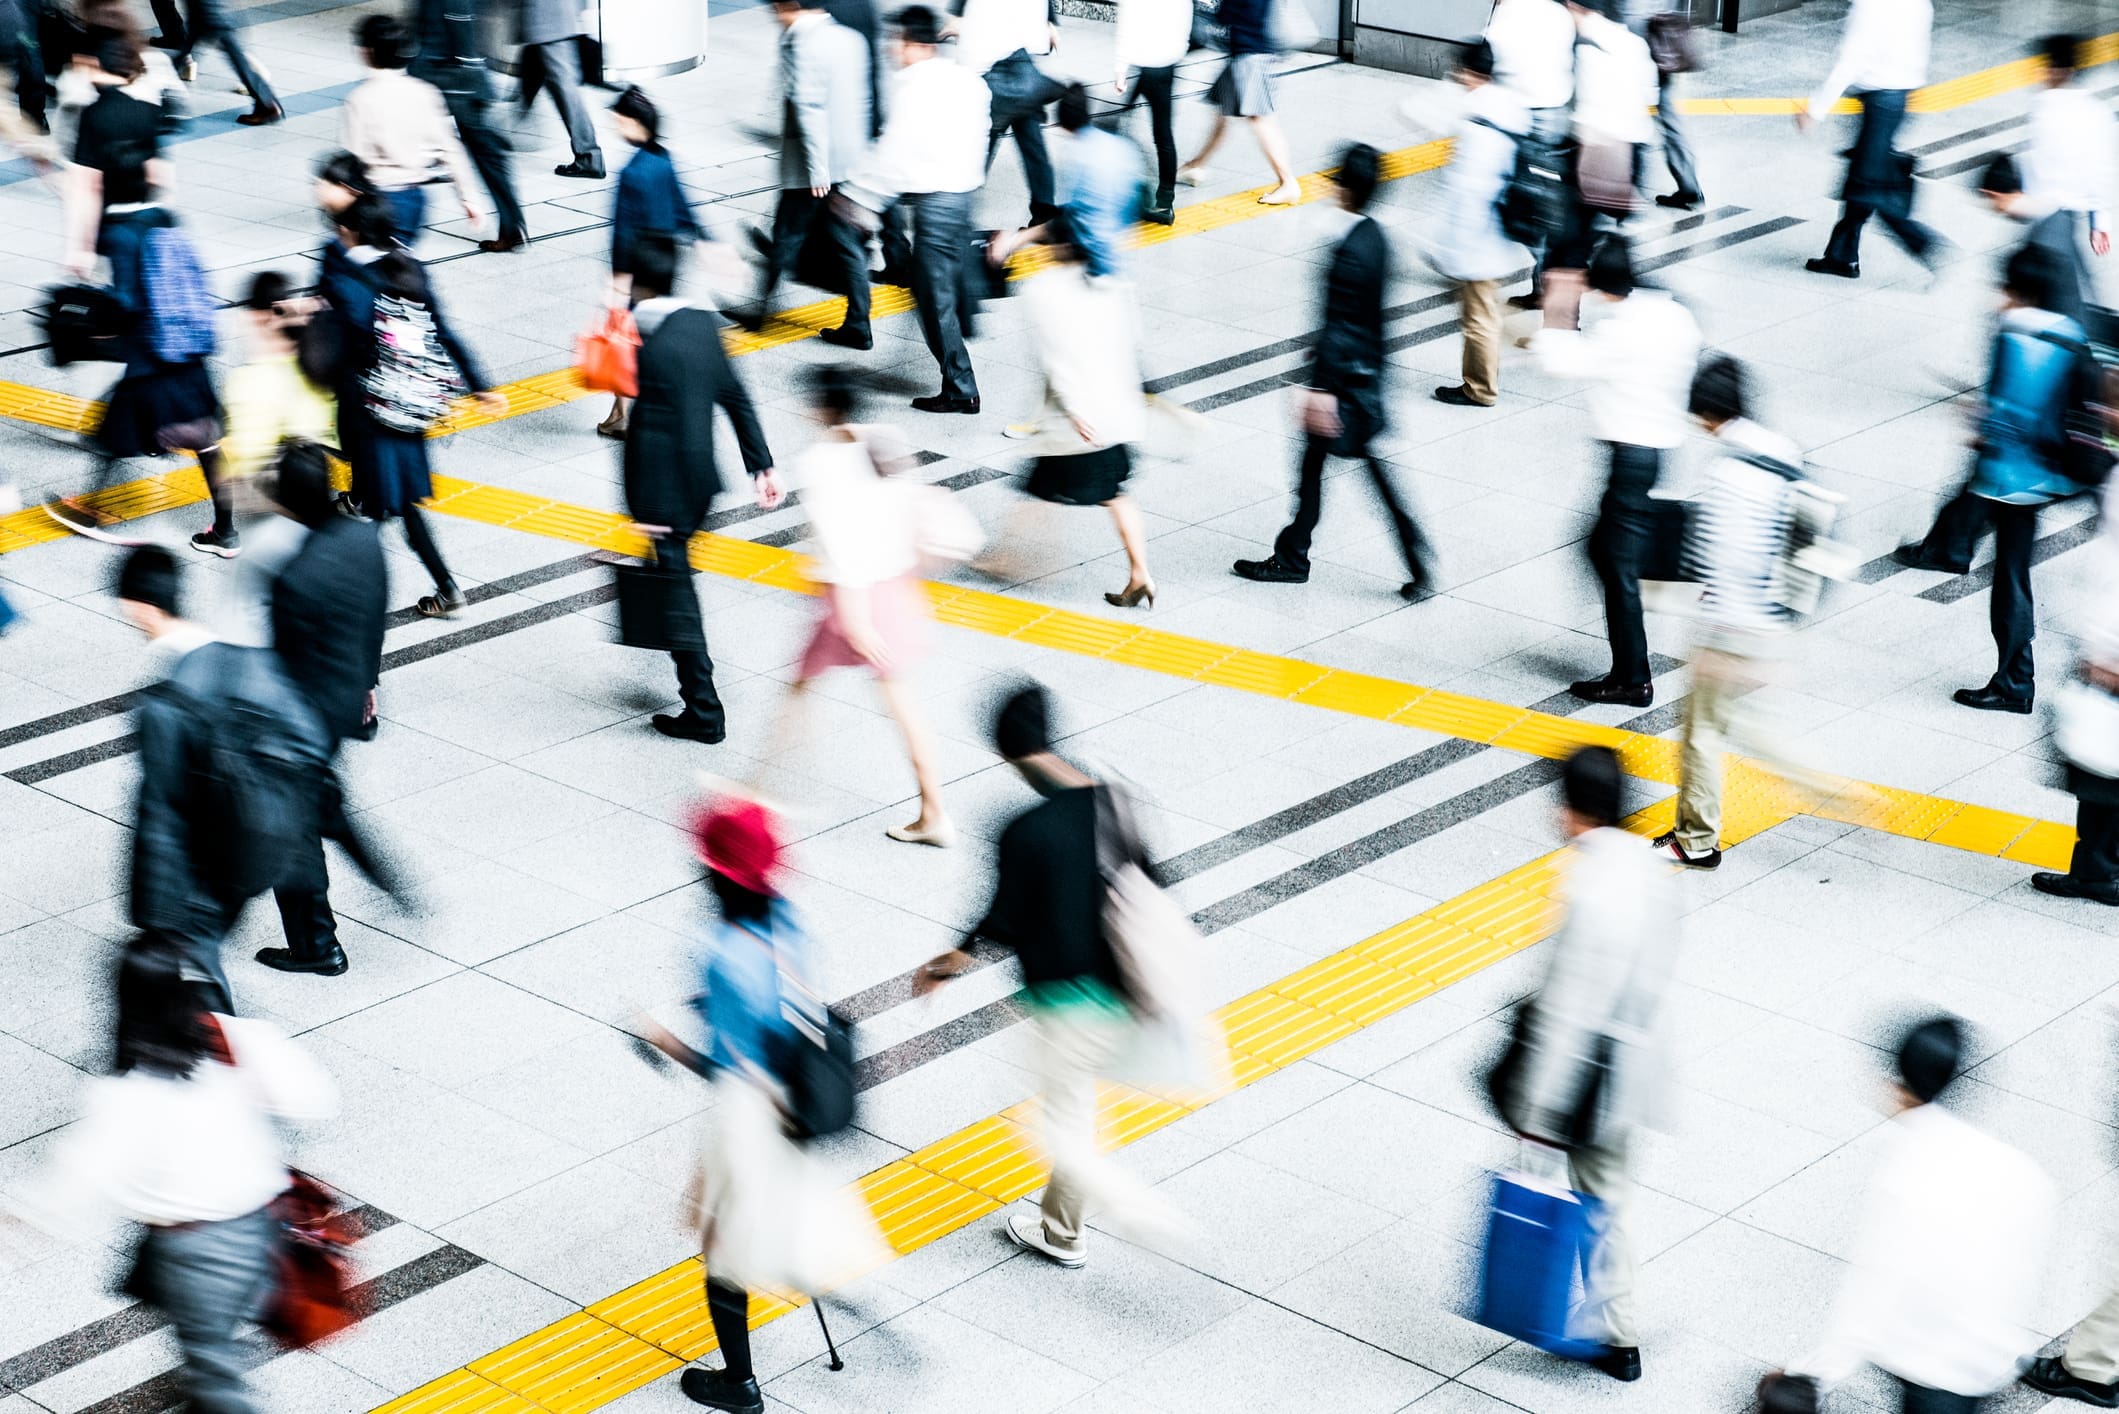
[[180, 307]]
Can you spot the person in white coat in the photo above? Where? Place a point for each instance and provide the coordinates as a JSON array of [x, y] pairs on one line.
[[1474, 253]]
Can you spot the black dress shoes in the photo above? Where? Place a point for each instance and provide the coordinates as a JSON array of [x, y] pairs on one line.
[[685, 727], [327, 964], [1681, 200], [716, 1389], [2068, 886], [1271, 571], [1455, 395], [840, 338], [504, 245], [1610, 690], [942, 402], [1990, 699], [1621, 1362], [588, 165], [1845, 269], [2048, 1375], [1914, 556]]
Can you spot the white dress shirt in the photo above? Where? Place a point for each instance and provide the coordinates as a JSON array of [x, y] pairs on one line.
[[1884, 48], [1154, 34], [934, 132], [1615, 84], [162, 1150], [2068, 165], [1955, 1233], [991, 30], [1638, 357], [1534, 50]]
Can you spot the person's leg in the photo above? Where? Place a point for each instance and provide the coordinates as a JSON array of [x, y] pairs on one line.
[[1844, 247], [208, 1279], [1411, 543], [488, 150], [408, 211], [695, 667], [1606, 1312], [919, 746], [1029, 129], [941, 225], [421, 539], [1133, 536], [219, 493], [791, 218], [1157, 87], [728, 1307], [1274, 144], [1670, 132], [1292, 546], [1959, 526], [1067, 1124], [1917, 1399], [1699, 818], [1214, 137], [2093, 1346], [171, 31], [851, 248], [562, 70], [2096, 857], [1616, 547], [1479, 303], [2011, 613], [246, 73]]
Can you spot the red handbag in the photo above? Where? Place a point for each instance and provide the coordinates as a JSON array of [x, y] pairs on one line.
[[608, 355], [314, 1295]]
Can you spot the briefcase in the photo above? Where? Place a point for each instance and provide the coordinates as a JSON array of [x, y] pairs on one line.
[[1537, 1237], [658, 609]]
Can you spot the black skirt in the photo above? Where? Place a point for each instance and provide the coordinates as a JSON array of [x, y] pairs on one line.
[[1083, 479], [158, 409]]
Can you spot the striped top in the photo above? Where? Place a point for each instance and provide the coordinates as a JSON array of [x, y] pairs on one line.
[[1739, 530]]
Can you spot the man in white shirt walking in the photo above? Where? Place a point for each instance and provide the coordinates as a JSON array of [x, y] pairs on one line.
[[1639, 358], [1534, 58], [2068, 165], [1474, 252], [1152, 40], [1953, 1247], [1883, 57]]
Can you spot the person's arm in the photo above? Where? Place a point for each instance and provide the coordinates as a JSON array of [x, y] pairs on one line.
[[459, 353], [996, 930], [161, 863], [84, 213], [812, 101], [735, 402], [1856, 43]]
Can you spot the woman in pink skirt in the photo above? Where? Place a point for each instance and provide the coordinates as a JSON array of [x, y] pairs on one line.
[[869, 532]]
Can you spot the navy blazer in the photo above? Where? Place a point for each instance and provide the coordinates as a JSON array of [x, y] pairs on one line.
[[329, 606], [650, 201]]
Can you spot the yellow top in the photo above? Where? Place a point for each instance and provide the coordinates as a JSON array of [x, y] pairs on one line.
[[265, 401]]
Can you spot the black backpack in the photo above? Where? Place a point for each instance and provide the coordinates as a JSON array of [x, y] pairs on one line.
[[2085, 455], [259, 773], [1533, 204], [82, 323], [813, 1061]]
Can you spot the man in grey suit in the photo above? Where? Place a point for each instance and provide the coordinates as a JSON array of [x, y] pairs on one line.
[[824, 130], [551, 33]]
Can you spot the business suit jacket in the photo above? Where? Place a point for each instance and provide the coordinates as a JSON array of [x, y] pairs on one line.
[[670, 476], [449, 56], [1347, 361], [825, 110], [861, 17], [328, 608], [548, 21]]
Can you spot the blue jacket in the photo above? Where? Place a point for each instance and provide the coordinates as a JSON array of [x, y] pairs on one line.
[[741, 1006], [2024, 431], [650, 201]]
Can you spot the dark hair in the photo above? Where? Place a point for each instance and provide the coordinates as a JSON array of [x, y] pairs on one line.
[[2062, 51], [635, 104], [1929, 1055], [385, 39], [2032, 277], [368, 217], [1023, 725], [738, 904], [836, 389], [1073, 108], [1060, 240], [1720, 391], [149, 575], [2002, 176], [654, 265], [267, 289], [1477, 58], [343, 169], [917, 25], [120, 54], [1611, 268], [162, 1013], [1592, 784], [1360, 168], [303, 488], [404, 277]]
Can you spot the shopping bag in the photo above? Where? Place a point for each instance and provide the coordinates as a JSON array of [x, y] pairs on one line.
[[658, 609], [1537, 1238], [607, 355]]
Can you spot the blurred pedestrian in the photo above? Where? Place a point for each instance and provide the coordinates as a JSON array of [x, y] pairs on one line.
[[930, 160], [824, 131], [551, 34], [401, 128], [1343, 405], [1474, 252], [1733, 550], [770, 1217], [2016, 463], [670, 476], [328, 608], [1534, 59], [1614, 90], [650, 200], [1244, 89], [2068, 163], [450, 58], [1951, 1252], [867, 532], [1883, 57], [204, 22], [1152, 40], [1596, 1066], [2088, 741], [1001, 41], [1637, 350], [184, 1139], [341, 179], [1646, 18], [863, 19]]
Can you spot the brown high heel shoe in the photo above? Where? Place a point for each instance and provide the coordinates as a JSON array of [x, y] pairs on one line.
[[1133, 596]]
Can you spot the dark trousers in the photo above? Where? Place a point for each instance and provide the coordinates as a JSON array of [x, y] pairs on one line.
[[728, 1306], [561, 63], [800, 216], [306, 919], [1959, 527], [421, 539], [2096, 858], [210, 1278], [695, 670], [1872, 184], [488, 148], [941, 227], [1292, 545], [1914, 1399], [1156, 88], [1670, 134], [206, 24], [2010, 612], [1617, 546], [1027, 123], [1548, 129]]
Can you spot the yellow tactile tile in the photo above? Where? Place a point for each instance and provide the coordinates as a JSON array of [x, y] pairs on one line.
[[996, 1157], [575, 1364], [458, 1392]]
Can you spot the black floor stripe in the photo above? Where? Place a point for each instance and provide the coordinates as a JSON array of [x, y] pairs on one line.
[[2046, 547]]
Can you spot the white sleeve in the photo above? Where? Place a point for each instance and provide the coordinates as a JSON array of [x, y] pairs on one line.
[[71, 1195], [1855, 44], [287, 1079]]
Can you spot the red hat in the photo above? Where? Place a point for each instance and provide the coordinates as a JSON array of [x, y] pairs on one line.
[[737, 838]]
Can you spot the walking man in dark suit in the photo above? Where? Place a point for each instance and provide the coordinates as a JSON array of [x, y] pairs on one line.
[[1343, 409], [551, 56], [449, 59], [1883, 57], [328, 610], [203, 22], [670, 476]]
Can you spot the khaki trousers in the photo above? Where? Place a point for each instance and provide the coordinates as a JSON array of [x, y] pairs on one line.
[[1479, 301], [2093, 1347], [1077, 1045], [1606, 1312], [1713, 715]]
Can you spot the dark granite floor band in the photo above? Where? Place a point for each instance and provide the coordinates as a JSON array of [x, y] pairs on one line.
[[2046, 547]]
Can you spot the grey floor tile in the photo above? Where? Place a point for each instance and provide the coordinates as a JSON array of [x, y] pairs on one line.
[[1218, 1368]]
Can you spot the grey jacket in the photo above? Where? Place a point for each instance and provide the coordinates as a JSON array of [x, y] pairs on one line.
[[549, 21], [824, 107]]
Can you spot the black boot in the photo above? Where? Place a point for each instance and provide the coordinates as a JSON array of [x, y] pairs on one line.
[[717, 1390]]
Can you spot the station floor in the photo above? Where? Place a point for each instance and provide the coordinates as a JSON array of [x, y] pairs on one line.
[[1355, 795]]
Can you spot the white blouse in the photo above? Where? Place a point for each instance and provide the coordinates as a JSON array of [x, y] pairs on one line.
[[863, 523]]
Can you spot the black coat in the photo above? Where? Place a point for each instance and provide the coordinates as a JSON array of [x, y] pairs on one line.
[[1348, 359], [670, 477], [328, 608], [449, 57]]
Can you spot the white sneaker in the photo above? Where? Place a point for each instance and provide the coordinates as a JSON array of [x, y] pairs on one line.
[[1021, 431], [1192, 176], [1027, 1231]]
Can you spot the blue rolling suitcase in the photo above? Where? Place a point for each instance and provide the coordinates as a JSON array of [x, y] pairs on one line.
[[1537, 1245]]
